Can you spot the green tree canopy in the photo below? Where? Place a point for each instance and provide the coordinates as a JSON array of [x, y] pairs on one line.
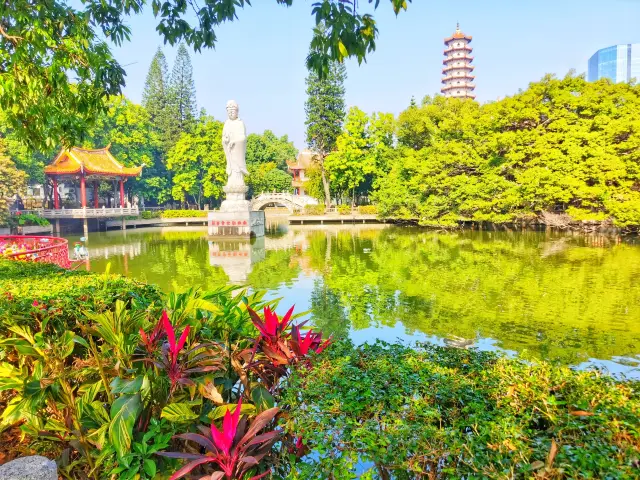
[[198, 163], [12, 181], [182, 93], [55, 69], [267, 177], [134, 142], [564, 146], [268, 148]]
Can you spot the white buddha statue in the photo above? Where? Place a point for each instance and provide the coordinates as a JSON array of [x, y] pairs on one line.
[[234, 143]]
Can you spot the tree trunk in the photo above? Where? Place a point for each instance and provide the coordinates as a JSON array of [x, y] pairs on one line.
[[327, 189]]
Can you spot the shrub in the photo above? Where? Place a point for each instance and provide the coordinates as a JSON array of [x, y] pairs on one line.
[[455, 413], [314, 209], [368, 210], [184, 213], [344, 209], [149, 214], [93, 372], [28, 220]]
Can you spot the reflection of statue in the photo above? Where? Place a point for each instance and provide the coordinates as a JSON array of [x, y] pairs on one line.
[[234, 143]]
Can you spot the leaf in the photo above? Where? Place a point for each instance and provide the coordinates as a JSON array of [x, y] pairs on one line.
[[343, 49], [178, 412], [119, 385], [262, 399], [258, 424], [210, 391], [553, 451], [581, 413], [124, 412], [219, 412], [149, 467]]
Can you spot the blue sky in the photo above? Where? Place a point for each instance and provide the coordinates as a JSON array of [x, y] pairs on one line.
[[259, 59]]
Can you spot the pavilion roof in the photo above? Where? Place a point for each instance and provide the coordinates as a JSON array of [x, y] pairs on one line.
[[71, 161]]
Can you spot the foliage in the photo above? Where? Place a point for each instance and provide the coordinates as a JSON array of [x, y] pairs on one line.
[[184, 214], [561, 146], [12, 181], [150, 214], [134, 141], [368, 210], [199, 163], [344, 209], [268, 148], [26, 160], [325, 111], [398, 412], [266, 177], [362, 151], [59, 52], [182, 94], [106, 385], [314, 209], [28, 219], [155, 98]]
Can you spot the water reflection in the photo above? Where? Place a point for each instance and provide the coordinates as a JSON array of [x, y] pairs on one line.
[[570, 298]]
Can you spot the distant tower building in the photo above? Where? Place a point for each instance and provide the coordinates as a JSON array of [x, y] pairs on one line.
[[457, 80], [620, 63]]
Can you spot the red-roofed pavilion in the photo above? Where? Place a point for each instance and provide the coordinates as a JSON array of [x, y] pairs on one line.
[[88, 165]]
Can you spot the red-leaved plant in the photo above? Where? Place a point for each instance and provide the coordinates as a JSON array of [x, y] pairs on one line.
[[234, 450], [178, 364]]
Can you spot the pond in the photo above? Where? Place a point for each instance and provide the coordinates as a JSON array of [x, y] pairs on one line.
[[573, 299]]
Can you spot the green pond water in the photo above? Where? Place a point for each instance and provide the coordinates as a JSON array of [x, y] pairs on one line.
[[570, 299]]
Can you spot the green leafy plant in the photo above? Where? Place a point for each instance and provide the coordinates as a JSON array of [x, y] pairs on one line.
[[28, 219], [344, 209], [184, 213], [368, 210], [314, 209]]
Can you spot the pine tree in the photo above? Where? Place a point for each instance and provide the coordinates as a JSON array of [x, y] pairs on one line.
[[183, 92], [325, 110], [154, 96]]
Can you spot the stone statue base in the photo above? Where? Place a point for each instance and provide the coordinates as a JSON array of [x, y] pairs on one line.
[[236, 257], [235, 218], [236, 199]]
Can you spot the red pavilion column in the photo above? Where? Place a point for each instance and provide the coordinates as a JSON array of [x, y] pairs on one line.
[[56, 198], [83, 191], [121, 192], [95, 194]]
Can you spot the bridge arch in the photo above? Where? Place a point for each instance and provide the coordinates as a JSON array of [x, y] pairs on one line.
[[288, 200]]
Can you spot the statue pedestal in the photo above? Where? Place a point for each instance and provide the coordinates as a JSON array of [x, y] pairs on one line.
[[235, 218]]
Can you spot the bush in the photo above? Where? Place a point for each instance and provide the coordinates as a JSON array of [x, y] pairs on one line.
[[368, 210], [150, 214], [455, 413], [66, 293], [103, 372], [184, 213], [314, 209], [344, 209], [28, 220]]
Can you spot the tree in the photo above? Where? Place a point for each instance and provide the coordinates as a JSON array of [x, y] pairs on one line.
[[268, 148], [134, 142], [267, 177], [199, 163], [361, 152], [182, 93], [12, 181], [563, 146], [325, 110], [26, 160], [155, 98], [55, 71]]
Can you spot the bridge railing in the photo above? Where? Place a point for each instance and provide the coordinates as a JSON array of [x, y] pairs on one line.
[[33, 248]]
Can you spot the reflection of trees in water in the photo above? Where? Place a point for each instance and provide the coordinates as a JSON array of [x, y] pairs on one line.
[[276, 269], [579, 302], [327, 312]]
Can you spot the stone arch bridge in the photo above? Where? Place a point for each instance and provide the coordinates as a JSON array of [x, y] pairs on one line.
[[288, 200]]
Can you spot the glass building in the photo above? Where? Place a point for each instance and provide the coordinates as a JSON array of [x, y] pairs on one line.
[[620, 63]]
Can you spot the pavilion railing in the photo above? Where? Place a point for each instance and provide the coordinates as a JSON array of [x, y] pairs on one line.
[[33, 248], [86, 212]]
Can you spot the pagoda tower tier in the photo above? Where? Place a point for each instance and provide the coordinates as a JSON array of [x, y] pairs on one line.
[[457, 79]]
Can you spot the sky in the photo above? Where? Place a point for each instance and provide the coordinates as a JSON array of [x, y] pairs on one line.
[[259, 59]]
